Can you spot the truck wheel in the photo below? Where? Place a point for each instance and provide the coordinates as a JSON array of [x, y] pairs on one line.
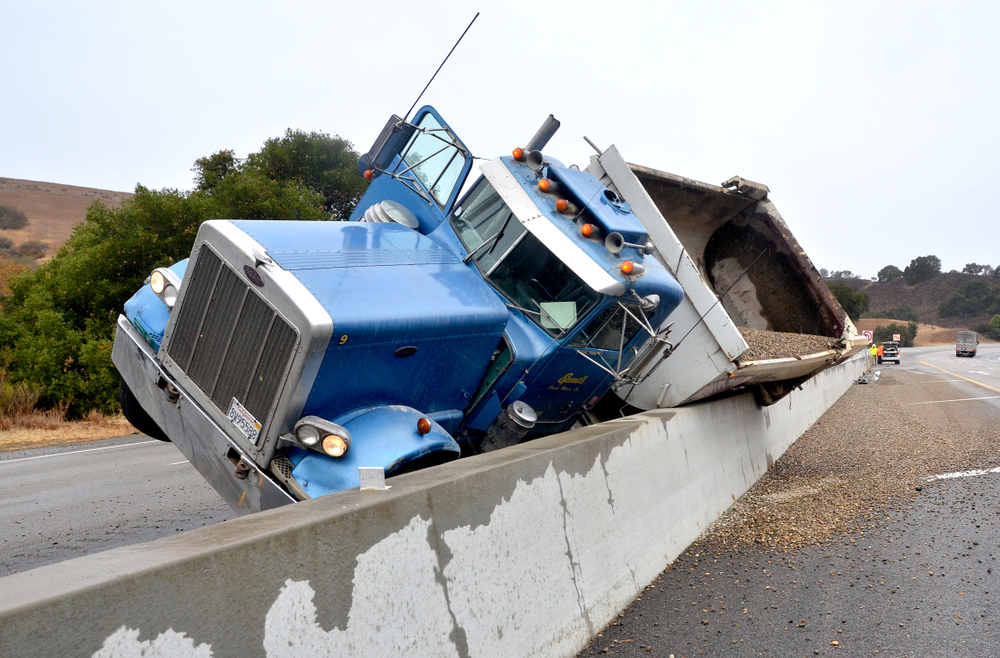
[[135, 414]]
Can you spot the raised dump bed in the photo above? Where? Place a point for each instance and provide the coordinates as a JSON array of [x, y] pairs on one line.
[[756, 312]]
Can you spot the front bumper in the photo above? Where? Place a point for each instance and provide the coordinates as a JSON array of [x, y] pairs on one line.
[[195, 434]]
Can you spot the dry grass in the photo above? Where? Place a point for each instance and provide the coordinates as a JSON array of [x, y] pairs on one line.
[[49, 429], [22, 426]]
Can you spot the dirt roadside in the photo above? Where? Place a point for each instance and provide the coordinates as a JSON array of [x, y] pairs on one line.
[[65, 433]]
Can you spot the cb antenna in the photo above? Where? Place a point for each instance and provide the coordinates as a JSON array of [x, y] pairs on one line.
[[405, 118]]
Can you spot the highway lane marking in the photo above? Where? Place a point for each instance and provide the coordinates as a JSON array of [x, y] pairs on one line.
[[964, 474], [988, 397], [186, 461], [76, 452], [936, 381], [971, 381]]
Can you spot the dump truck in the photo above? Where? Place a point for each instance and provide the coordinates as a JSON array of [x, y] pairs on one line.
[[756, 314], [966, 343], [284, 357]]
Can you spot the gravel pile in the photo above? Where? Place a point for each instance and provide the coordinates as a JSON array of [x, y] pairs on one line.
[[870, 451], [780, 345]]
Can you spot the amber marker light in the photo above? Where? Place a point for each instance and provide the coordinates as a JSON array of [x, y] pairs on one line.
[[627, 267], [518, 154], [334, 445], [562, 205], [544, 184], [368, 174], [424, 426], [587, 230]]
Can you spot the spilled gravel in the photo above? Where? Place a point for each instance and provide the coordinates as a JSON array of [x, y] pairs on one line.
[[765, 345], [869, 452]]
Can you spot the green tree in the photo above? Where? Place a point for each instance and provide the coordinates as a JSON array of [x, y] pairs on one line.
[[316, 162], [907, 333], [57, 323], [889, 273], [922, 268], [854, 302], [976, 298], [902, 312], [973, 268]]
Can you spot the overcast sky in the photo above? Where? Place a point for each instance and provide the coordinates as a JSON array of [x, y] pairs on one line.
[[875, 127]]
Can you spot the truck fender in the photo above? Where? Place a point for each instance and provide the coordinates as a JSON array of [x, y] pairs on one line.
[[147, 312], [384, 436]]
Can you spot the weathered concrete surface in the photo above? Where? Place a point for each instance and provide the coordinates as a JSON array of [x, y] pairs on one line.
[[523, 552]]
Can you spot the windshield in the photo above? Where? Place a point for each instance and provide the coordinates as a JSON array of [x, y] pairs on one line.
[[613, 328], [433, 157], [518, 265]]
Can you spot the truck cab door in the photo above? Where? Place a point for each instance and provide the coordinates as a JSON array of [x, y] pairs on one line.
[[582, 368], [420, 165]]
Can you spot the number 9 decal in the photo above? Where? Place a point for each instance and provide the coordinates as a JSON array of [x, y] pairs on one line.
[[343, 339]]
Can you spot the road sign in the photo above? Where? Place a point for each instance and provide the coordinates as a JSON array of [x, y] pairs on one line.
[[895, 337], [869, 335]]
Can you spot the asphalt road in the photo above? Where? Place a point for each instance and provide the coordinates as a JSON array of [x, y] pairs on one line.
[[925, 582], [62, 503]]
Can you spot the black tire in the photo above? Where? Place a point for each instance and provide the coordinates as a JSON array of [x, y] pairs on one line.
[[135, 414]]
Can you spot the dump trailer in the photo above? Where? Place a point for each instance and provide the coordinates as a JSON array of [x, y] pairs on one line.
[[756, 313], [284, 357], [966, 343]]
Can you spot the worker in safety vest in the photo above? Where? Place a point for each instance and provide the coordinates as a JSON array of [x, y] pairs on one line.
[[871, 351], [880, 352]]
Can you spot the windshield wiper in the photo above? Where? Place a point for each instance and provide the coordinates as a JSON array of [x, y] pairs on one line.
[[492, 241]]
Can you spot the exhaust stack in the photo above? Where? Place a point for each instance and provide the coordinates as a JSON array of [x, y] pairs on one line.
[[544, 134]]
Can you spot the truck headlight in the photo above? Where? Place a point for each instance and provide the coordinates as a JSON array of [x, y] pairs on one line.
[[166, 285], [321, 435]]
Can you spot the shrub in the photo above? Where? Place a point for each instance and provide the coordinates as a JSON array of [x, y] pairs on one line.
[[32, 249], [12, 218], [904, 312], [906, 333]]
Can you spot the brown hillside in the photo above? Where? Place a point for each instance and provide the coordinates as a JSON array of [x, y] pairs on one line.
[[924, 297], [52, 209]]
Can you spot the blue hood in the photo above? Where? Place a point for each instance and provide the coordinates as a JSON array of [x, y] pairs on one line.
[[389, 290]]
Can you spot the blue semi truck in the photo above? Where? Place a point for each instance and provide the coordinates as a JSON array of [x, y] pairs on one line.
[[283, 356]]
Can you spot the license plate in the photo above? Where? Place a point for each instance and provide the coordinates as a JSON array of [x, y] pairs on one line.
[[244, 421]]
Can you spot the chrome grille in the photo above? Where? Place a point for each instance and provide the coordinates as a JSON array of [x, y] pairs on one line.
[[228, 340]]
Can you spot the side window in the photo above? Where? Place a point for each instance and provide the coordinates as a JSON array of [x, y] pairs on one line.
[[611, 329], [434, 159]]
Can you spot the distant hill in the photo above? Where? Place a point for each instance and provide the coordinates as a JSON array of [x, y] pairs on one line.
[[923, 297], [52, 209]]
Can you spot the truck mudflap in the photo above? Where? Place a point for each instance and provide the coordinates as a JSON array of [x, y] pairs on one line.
[[243, 485]]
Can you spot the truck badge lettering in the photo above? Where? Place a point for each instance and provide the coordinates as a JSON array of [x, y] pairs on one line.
[[568, 378], [254, 276], [244, 421]]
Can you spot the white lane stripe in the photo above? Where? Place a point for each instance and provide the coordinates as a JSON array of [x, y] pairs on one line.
[[76, 452], [964, 474], [988, 397], [180, 462]]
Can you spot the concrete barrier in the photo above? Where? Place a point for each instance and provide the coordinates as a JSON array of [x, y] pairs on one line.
[[523, 552]]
